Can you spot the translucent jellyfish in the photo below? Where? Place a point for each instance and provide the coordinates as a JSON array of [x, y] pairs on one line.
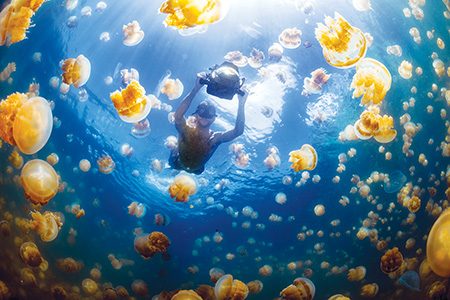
[[141, 129], [396, 181], [5, 74], [237, 58], [132, 34], [137, 209], [391, 261], [290, 38], [372, 124], [410, 280], [25, 123], [405, 69], [182, 187], [76, 71], [314, 84], [69, 265], [16, 160], [438, 245], [89, 286], [303, 159], [30, 254], [106, 164], [86, 11], [129, 75], [265, 271], [369, 290], [395, 50], [39, 181], [342, 44], [372, 81], [186, 295], [255, 287], [362, 5], [172, 88], [215, 274], [348, 134], [228, 288], [101, 6], [47, 225], [439, 67], [273, 158], [319, 210], [147, 245], [255, 60], [131, 103], [302, 288], [105, 37], [171, 142], [275, 52], [189, 14], [72, 21], [84, 165], [356, 274]]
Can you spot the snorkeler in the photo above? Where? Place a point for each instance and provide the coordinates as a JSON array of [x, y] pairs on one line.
[[196, 142]]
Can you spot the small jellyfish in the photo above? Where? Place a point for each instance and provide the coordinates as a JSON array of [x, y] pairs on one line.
[[30, 254], [172, 88], [215, 274], [395, 50], [391, 261], [265, 271], [255, 60], [273, 158], [314, 84], [372, 124], [72, 21], [369, 290], [39, 181], [255, 287], [76, 71], [141, 129], [147, 245], [105, 37], [132, 34], [89, 286], [53, 159], [131, 103], [303, 159], [129, 75], [302, 288], [228, 288], [275, 52], [405, 69], [101, 6], [236, 58], [280, 198], [137, 209], [438, 244], [290, 38], [139, 287], [182, 187], [338, 297], [319, 210], [342, 44], [410, 280], [106, 164], [16, 160], [161, 220], [47, 225], [86, 11], [396, 181], [356, 274], [69, 265], [84, 165], [372, 81], [362, 5]]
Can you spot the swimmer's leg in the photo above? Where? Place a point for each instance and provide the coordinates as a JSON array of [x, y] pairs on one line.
[[174, 159]]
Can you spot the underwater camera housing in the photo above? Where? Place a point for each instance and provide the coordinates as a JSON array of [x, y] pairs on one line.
[[223, 81]]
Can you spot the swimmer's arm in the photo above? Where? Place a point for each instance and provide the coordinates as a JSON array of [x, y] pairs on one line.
[[180, 121]]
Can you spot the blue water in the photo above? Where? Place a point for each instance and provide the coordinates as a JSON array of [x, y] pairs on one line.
[[93, 128]]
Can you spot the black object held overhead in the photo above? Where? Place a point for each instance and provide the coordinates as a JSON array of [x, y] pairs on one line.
[[223, 81]]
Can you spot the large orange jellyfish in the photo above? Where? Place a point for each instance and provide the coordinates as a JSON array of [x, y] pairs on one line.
[[76, 71], [302, 288], [40, 181], [15, 19], [47, 225], [184, 14], [182, 187], [372, 124], [25, 123], [186, 295], [227, 288], [131, 103], [372, 81], [391, 261], [303, 159], [342, 44], [151, 244], [438, 245]]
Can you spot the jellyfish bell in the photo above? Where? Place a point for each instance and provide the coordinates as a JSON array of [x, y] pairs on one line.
[[303, 159], [186, 295], [275, 52], [172, 88], [141, 129], [30, 254], [228, 288], [290, 38], [302, 288], [182, 187], [237, 58], [147, 245], [438, 245], [396, 181], [131, 103], [132, 34], [40, 181], [362, 5], [410, 280], [47, 225], [76, 71]]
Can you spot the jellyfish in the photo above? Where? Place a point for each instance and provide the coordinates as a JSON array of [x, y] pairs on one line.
[[314, 84], [131, 103], [161, 220], [395, 50], [372, 124], [255, 287], [89, 286], [303, 159], [106, 164], [356, 274], [348, 134], [215, 274], [47, 225], [342, 44], [369, 290], [30, 254], [69, 265], [147, 245], [396, 181], [391, 261], [141, 129], [205, 291], [132, 34], [256, 58], [189, 14], [338, 297], [265, 271], [319, 210], [172, 88], [275, 52], [405, 69], [26, 124], [84, 165], [5, 74], [413, 204], [236, 58], [362, 5], [137, 209], [182, 187], [76, 71], [186, 295], [410, 280], [438, 243], [129, 75], [229, 288], [16, 160], [39, 181], [280, 198], [372, 81], [273, 158], [290, 38], [302, 288]]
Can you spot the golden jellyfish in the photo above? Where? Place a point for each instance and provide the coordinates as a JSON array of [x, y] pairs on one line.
[[290, 38], [69, 265], [186, 295], [89, 286], [132, 34], [15, 19], [314, 84], [39, 181], [301, 289], [372, 124], [265, 271], [369, 290], [356, 274], [255, 286], [5, 74], [4, 291], [131, 103], [84, 165], [16, 160], [182, 187], [30, 254], [391, 261], [405, 69], [413, 204], [105, 164], [76, 71], [47, 225], [342, 44], [186, 14], [25, 123], [53, 159], [139, 287], [303, 159], [206, 292], [319, 210], [236, 58], [228, 288], [438, 245], [149, 245], [172, 88], [27, 277], [372, 81], [339, 297]]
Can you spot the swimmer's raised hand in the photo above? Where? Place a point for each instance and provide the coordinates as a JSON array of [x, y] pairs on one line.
[[199, 82]]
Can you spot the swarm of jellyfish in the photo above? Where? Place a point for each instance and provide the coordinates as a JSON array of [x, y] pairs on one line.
[[147, 245], [303, 159], [131, 103], [182, 187], [76, 71]]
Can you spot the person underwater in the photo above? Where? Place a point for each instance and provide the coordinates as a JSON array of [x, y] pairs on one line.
[[196, 141]]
